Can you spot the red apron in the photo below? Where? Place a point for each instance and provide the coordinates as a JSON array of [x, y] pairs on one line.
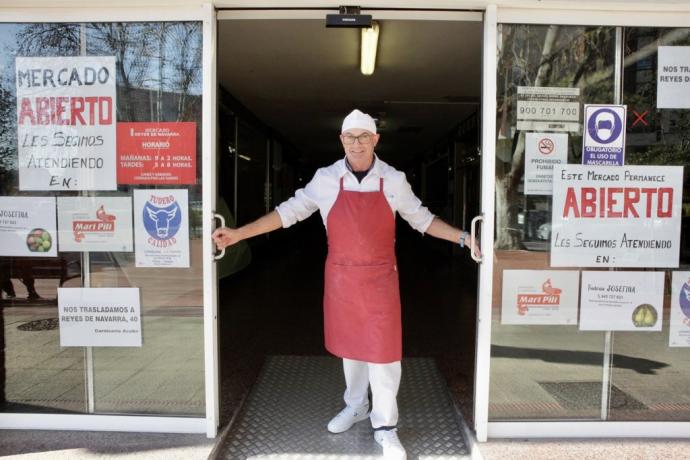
[[361, 293]]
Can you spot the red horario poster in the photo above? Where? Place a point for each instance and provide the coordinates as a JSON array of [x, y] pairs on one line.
[[156, 153]]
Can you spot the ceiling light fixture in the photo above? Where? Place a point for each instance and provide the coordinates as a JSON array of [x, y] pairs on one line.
[[370, 41]]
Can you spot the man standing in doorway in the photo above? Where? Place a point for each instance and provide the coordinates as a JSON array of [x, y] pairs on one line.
[[358, 197]]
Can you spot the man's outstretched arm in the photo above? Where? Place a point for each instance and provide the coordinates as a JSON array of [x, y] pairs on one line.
[[224, 236], [444, 231]]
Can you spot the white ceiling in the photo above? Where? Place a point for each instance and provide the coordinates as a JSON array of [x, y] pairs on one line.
[[301, 79]]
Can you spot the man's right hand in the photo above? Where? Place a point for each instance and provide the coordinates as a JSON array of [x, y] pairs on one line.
[[224, 237]]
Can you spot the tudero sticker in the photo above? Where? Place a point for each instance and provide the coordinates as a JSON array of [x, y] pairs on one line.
[[66, 110], [604, 137], [27, 226], [679, 333], [95, 224], [161, 223], [616, 216], [539, 297], [156, 153]]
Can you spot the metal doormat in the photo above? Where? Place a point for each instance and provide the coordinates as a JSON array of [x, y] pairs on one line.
[[587, 395], [286, 414]]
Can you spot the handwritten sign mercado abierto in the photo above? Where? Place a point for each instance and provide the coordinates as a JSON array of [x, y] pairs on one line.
[[616, 216], [99, 317], [66, 114]]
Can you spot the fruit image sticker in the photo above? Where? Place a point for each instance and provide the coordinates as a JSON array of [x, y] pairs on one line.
[[644, 315], [39, 240]]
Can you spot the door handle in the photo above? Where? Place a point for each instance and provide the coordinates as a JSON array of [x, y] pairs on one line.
[[475, 257], [221, 254]]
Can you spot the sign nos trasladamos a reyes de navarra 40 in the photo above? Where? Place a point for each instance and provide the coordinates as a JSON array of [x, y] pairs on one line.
[[616, 216], [66, 123]]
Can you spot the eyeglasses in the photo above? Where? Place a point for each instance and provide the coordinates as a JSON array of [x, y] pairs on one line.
[[363, 139]]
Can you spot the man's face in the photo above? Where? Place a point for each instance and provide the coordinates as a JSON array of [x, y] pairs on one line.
[[359, 145]]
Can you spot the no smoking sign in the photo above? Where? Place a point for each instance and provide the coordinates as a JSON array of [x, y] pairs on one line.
[[545, 146]]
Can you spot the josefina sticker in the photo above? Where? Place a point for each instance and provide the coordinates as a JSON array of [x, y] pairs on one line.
[[66, 122], [616, 216], [156, 153]]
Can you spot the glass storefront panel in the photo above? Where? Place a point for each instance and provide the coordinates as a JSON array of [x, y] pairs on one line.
[[649, 377], [158, 80], [541, 371]]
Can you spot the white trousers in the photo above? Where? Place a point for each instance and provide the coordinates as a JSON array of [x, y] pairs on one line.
[[384, 380]]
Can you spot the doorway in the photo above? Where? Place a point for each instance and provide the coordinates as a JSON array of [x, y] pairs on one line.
[[285, 85]]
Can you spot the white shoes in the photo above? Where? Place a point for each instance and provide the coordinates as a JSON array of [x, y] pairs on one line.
[[392, 449], [348, 417]]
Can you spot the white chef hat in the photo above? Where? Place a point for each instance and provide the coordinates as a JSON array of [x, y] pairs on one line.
[[359, 120]]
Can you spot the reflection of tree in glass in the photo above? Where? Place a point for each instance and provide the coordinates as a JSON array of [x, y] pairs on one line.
[[8, 137], [158, 65], [537, 56], [664, 136]]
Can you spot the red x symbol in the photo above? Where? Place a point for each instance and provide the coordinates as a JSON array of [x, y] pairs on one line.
[[640, 117]]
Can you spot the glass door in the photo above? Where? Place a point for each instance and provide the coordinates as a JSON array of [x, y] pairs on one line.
[[587, 320], [105, 303]]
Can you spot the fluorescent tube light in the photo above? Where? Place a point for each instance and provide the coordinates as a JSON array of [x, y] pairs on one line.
[[370, 41]]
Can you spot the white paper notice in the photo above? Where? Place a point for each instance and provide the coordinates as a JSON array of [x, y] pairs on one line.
[[66, 120], [95, 224], [616, 216], [542, 152], [621, 301], [27, 226], [539, 297], [673, 77], [548, 108], [99, 317], [161, 228], [679, 332]]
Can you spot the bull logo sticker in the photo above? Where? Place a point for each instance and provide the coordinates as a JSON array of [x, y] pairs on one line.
[[684, 299], [679, 314], [162, 223], [162, 228]]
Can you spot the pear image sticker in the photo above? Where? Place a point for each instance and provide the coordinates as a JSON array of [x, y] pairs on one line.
[[644, 315]]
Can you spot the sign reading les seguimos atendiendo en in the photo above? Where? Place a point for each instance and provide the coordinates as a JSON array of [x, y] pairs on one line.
[[99, 317], [66, 122], [616, 216]]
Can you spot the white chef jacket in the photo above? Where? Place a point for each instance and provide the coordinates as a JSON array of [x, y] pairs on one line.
[[321, 192]]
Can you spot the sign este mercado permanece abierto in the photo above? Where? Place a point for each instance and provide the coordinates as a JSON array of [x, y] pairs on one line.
[[616, 216], [66, 114]]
